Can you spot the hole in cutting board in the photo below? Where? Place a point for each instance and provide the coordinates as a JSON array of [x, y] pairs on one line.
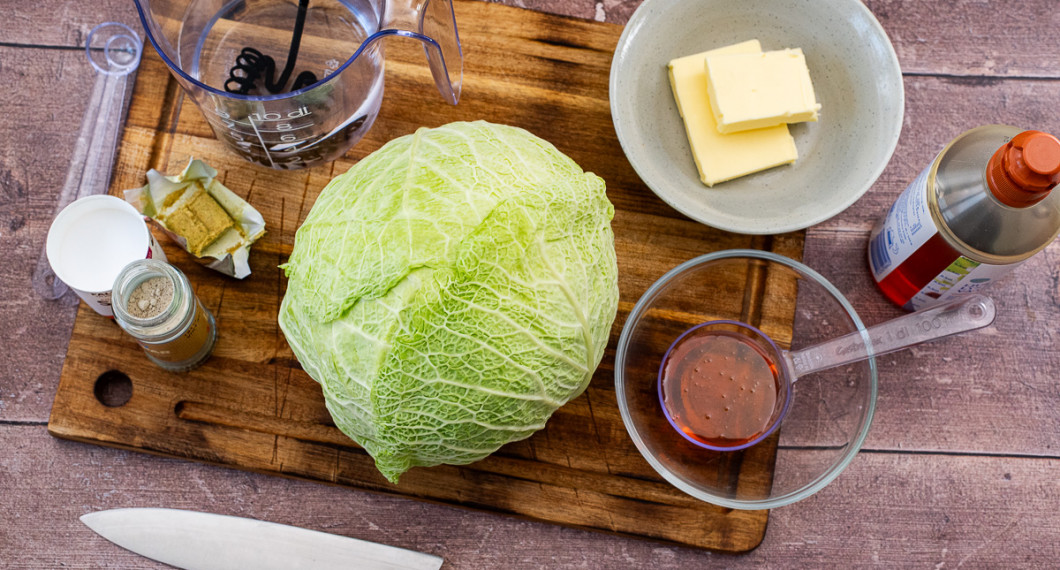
[[113, 388]]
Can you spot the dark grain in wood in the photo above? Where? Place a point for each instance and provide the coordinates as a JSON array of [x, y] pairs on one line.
[[894, 508], [251, 406]]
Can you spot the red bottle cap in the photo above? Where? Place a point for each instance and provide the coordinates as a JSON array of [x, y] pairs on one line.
[[1023, 171]]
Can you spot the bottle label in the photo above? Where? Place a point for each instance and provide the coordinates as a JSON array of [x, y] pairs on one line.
[[964, 275], [907, 227]]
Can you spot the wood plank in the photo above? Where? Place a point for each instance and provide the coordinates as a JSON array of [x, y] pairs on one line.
[[973, 393], [926, 510], [251, 406], [38, 133], [887, 509], [969, 37], [892, 509], [951, 38], [64, 24]]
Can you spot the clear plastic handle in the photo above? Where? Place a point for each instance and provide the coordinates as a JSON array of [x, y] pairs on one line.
[[432, 22], [960, 315], [114, 50]]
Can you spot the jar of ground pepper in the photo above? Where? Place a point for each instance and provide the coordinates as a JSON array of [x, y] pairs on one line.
[[154, 303]]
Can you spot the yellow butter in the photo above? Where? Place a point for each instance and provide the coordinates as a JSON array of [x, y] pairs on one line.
[[758, 90], [721, 157]]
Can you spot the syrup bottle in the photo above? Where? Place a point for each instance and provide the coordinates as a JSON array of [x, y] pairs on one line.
[[978, 210]]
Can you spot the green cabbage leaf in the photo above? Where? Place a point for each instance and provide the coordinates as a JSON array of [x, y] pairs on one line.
[[451, 291]]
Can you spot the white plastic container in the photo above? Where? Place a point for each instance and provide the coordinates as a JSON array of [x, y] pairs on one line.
[[92, 240]]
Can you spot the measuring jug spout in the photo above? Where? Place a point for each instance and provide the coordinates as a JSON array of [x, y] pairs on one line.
[[432, 22]]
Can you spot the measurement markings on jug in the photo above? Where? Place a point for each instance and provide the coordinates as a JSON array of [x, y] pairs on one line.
[[283, 123]]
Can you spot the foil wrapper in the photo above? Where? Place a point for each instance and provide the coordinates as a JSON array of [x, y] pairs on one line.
[[200, 214]]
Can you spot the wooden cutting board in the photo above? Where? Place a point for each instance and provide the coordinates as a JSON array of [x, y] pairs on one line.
[[251, 406]]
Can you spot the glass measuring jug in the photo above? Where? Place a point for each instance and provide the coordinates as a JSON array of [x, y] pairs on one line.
[[294, 83], [724, 385]]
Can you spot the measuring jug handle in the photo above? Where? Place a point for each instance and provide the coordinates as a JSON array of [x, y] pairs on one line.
[[432, 22], [962, 314]]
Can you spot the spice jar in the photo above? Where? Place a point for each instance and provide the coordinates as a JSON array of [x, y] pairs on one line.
[[154, 303]]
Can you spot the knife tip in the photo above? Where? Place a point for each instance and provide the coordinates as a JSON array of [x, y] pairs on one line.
[[87, 518]]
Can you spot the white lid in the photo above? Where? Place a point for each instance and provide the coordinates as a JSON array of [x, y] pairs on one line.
[[93, 238]]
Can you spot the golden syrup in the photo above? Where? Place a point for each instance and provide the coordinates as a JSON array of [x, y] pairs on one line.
[[719, 388]]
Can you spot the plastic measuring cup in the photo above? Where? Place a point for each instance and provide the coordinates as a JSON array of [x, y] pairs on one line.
[[724, 385], [325, 86], [114, 50]]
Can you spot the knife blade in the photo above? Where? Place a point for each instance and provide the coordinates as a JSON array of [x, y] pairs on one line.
[[205, 541]]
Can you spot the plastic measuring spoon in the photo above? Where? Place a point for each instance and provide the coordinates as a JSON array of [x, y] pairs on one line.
[[725, 385], [114, 50]]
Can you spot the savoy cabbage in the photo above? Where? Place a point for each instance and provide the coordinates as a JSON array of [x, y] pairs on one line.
[[452, 290]]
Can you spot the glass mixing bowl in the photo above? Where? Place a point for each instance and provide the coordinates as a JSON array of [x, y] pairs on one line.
[[829, 412]]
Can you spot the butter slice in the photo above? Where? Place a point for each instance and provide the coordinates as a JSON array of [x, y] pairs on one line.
[[754, 91], [721, 157]]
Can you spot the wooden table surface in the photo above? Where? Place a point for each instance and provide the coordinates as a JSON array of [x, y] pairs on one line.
[[961, 467]]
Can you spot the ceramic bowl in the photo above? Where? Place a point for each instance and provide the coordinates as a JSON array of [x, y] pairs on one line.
[[856, 78], [829, 412]]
